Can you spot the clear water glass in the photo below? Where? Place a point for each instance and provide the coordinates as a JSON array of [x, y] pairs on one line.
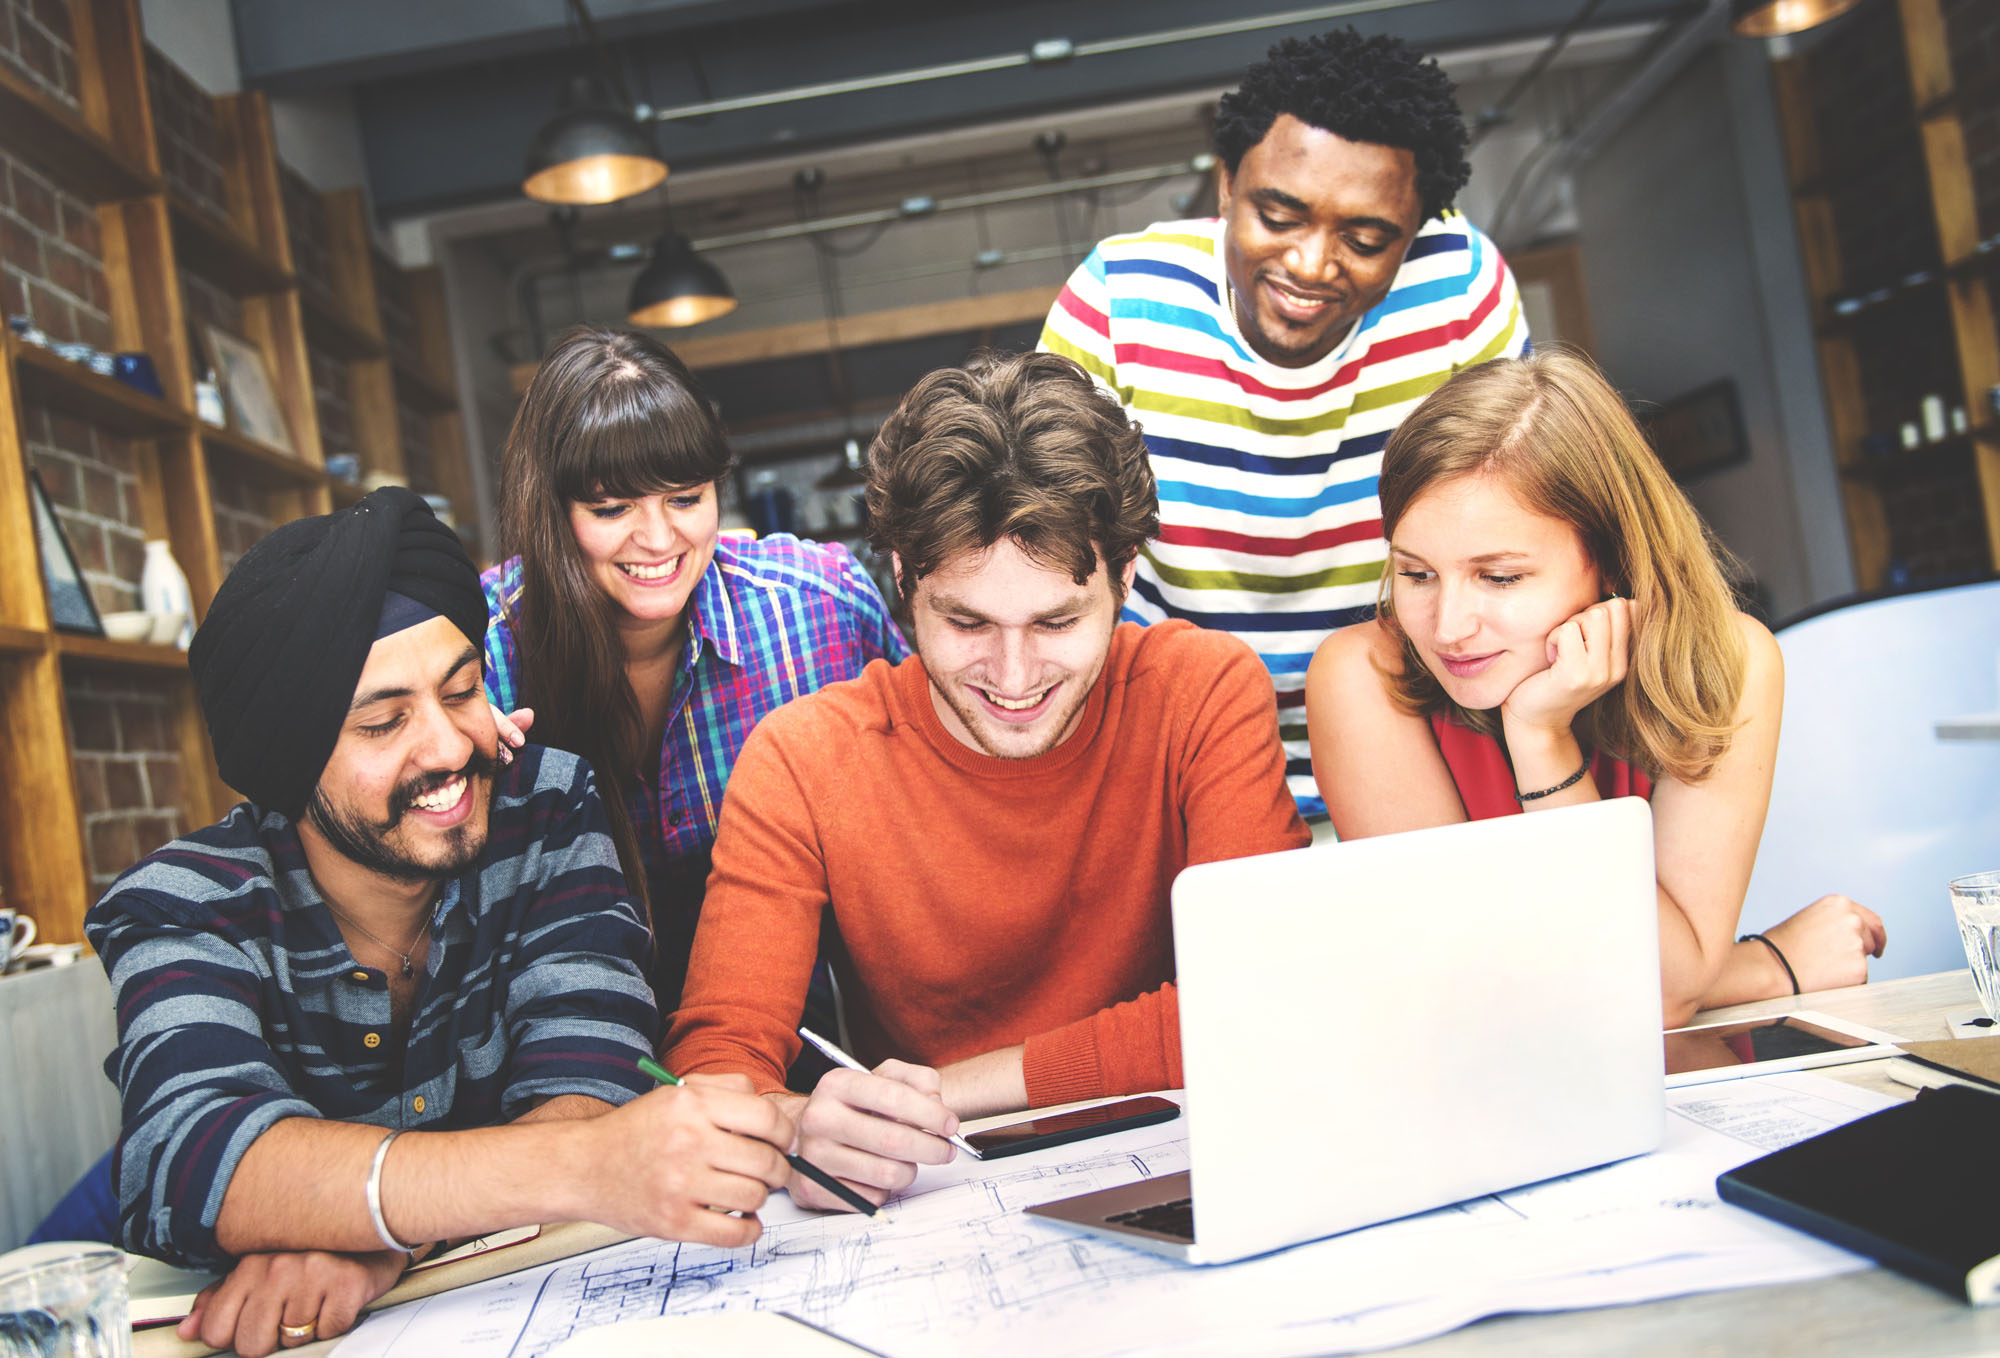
[[1976, 902], [64, 1301]]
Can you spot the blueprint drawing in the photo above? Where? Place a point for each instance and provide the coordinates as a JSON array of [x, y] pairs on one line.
[[953, 1266]]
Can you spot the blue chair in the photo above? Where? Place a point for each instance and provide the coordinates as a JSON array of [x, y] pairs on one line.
[[89, 1211], [1867, 799]]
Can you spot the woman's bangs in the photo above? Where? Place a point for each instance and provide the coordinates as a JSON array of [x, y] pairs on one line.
[[626, 451]]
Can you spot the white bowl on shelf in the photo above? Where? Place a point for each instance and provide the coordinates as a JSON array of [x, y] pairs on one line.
[[128, 626], [166, 627]]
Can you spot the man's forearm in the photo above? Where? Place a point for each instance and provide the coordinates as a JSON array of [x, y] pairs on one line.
[[992, 1082], [303, 1184], [564, 1108]]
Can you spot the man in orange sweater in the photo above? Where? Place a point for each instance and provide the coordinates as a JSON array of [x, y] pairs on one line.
[[988, 831]]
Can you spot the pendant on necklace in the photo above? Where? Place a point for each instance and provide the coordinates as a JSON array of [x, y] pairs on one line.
[[408, 970]]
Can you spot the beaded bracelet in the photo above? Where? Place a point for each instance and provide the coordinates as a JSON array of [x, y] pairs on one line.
[[1568, 782]]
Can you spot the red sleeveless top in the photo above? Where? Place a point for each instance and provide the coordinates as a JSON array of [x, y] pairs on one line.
[[1485, 779]]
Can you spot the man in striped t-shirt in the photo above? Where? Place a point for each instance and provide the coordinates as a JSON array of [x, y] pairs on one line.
[[1268, 354]]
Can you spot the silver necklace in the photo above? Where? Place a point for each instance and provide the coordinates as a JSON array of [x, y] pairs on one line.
[[404, 953]]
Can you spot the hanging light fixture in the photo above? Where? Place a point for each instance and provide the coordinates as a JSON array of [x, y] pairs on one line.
[[678, 287], [591, 151], [1775, 18]]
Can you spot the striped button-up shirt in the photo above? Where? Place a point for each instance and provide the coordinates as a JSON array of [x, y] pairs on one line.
[[1269, 523], [770, 620], [239, 1003]]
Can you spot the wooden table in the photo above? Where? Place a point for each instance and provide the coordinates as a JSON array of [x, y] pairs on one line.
[[1873, 1313]]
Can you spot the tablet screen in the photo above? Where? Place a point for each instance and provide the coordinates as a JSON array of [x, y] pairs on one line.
[[1741, 1044]]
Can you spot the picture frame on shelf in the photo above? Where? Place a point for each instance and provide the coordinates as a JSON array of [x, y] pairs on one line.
[[247, 391], [70, 606], [1699, 431]]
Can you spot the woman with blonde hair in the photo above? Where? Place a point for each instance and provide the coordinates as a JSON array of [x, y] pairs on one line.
[[1556, 627]]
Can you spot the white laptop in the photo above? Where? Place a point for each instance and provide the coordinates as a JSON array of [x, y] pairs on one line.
[[1423, 1018]]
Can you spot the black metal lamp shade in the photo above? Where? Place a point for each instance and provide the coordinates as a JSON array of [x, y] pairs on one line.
[[591, 151], [1774, 18], [678, 287]]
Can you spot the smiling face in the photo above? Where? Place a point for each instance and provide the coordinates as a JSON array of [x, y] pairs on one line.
[[1012, 647], [408, 788], [646, 553], [1315, 228], [1481, 580]]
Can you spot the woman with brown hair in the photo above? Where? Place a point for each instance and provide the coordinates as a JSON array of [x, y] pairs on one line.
[[640, 636], [1556, 627]]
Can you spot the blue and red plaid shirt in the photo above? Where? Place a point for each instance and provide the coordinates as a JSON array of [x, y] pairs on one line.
[[771, 619]]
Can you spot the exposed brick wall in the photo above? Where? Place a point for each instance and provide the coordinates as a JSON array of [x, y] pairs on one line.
[[305, 223], [419, 460], [242, 515], [330, 400], [92, 477], [36, 40], [187, 134], [1871, 155], [128, 771], [207, 304], [51, 260], [399, 318], [1936, 527], [1972, 28]]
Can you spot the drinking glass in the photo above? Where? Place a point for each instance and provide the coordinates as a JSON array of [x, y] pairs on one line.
[[64, 1301], [1976, 902]]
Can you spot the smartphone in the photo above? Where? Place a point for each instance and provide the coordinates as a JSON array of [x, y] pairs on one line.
[[1058, 1129]]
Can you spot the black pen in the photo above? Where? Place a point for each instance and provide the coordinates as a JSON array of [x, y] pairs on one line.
[[797, 1162]]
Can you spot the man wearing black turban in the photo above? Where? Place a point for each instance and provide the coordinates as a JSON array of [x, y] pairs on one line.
[[402, 929]]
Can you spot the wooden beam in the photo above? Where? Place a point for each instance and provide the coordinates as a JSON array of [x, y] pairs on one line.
[[24, 601], [41, 834], [948, 317]]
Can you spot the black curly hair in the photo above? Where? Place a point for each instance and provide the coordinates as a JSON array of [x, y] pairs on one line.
[[1377, 89]]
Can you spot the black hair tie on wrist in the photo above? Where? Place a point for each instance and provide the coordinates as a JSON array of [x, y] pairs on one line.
[[1525, 797], [1790, 974]]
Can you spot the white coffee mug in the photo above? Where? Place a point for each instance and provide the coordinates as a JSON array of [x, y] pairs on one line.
[[17, 931]]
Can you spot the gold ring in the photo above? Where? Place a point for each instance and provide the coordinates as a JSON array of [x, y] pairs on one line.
[[299, 1334]]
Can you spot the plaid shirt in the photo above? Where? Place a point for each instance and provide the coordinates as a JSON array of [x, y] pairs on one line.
[[771, 620], [240, 1005]]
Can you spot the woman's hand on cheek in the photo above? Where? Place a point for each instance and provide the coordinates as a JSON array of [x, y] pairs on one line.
[[1588, 656], [513, 728]]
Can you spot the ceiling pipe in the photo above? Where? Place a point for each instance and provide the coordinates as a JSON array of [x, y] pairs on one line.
[[1666, 60], [1047, 52]]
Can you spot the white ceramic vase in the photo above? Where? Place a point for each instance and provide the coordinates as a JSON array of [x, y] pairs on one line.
[[163, 589]]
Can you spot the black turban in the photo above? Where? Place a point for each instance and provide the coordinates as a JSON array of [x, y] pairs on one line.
[[277, 658]]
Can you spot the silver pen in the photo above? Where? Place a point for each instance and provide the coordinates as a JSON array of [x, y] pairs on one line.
[[841, 1058]]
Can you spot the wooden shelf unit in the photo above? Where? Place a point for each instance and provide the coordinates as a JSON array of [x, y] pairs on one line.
[[1961, 281], [104, 152]]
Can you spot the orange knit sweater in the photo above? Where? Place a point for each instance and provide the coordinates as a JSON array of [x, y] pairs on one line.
[[975, 902]]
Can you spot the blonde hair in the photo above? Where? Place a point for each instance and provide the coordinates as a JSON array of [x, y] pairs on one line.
[[1553, 427]]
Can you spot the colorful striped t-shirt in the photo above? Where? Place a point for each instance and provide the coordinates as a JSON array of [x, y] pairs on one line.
[[1269, 523]]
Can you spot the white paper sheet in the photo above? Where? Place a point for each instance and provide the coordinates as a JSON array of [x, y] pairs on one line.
[[953, 1267]]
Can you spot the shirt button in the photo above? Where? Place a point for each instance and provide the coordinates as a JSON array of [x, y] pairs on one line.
[[417, 1104], [360, 975], [676, 816], [372, 1040]]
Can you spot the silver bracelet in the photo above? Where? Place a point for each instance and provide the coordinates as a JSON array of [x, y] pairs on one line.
[[375, 1196]]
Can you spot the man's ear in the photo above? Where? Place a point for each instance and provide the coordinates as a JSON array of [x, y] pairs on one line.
[[1225, 188], [1131, 573], [896, 573]]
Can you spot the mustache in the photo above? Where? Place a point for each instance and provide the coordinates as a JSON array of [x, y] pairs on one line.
[[480, 765]]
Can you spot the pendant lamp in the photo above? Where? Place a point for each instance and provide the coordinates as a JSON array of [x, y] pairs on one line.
[[678, 287], [591, 151], [1775, 18]]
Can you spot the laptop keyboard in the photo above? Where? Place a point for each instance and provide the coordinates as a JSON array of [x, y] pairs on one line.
[[1174, 1219]]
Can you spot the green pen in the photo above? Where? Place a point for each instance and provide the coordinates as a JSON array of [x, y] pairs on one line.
[[804, 1166]]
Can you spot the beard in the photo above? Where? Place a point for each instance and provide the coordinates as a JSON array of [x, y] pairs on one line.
[[1055, 724], [368, 844]]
